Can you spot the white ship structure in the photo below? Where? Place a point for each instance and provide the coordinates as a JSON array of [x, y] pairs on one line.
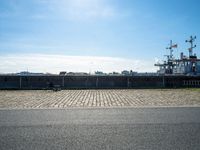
[[185, 65]]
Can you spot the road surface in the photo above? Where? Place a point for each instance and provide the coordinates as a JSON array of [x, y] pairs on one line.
[[101, 128]]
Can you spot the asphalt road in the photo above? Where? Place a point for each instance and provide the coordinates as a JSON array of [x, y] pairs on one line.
[[101, 128]]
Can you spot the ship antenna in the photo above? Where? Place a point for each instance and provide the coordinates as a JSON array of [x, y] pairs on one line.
[[171, 48], [191, 41]]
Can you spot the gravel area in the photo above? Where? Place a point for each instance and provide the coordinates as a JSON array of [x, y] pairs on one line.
[[99, 98]]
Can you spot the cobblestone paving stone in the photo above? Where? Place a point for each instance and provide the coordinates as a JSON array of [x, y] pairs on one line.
[[99, 98]]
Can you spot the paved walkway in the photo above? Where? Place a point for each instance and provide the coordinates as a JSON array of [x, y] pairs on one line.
[[99, 98]]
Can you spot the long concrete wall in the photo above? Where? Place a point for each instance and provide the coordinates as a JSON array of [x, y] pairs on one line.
[[95, 82]]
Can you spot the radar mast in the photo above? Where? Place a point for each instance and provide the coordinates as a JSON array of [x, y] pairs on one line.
[[192, 46]]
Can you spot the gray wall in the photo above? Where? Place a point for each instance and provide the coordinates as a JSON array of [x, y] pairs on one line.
[[93, 82]]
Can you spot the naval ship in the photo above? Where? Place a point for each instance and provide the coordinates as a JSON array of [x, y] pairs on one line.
[[185, 65]]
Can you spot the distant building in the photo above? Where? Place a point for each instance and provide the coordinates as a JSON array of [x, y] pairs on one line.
[[99, 73], [114, 73], [26, 73], [62, 73], [77, 73], [128, 73], [125, 72]]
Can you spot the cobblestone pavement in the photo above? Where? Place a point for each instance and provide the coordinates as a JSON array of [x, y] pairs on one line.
[[99, 98]]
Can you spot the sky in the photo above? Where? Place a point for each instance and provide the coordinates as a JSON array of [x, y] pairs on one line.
[[90, 35]]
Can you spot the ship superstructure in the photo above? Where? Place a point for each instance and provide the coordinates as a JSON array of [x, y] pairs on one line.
[[185, 65]]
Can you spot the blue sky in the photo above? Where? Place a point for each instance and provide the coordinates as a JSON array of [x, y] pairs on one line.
[[134, 31]]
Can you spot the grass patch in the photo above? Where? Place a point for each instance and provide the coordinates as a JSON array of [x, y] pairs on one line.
[[193, 89]]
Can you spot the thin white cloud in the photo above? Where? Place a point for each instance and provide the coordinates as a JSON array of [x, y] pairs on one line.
[[57, 63], [89, 8], [80, 9]]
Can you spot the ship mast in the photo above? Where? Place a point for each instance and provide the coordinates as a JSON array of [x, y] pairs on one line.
[[191, 41], [171, 49]]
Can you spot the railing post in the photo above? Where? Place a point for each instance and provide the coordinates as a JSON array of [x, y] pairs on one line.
[[128, 82], [163, 81], [20, 82], [97, 82], [63, 81]]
